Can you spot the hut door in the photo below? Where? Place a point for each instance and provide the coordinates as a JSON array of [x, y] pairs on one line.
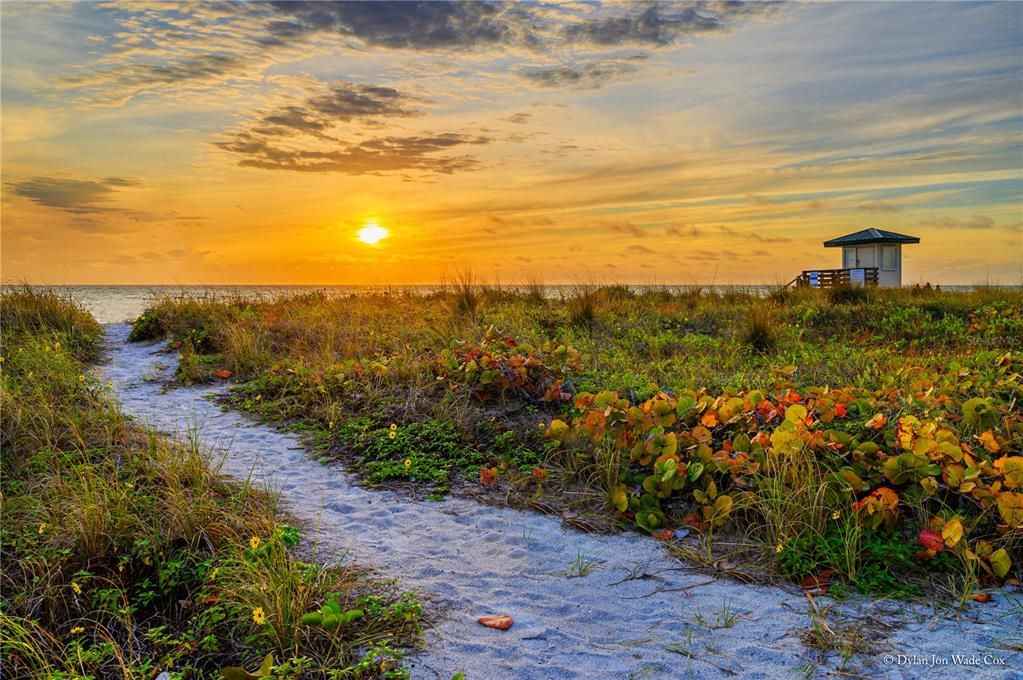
[[848, 258]]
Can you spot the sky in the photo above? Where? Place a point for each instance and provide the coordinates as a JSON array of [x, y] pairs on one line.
[[647, 143]]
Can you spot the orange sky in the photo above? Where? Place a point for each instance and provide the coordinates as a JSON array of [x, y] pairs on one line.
[[641, 143]]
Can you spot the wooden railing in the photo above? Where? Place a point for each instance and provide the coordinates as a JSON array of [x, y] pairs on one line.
[[829, 278]]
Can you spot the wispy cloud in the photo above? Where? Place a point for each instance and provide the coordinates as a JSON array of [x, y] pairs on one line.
[[76, 196]]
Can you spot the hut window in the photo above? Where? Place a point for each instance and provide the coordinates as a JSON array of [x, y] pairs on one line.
[[889, 258]]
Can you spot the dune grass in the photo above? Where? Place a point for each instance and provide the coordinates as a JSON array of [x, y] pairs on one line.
[[772, 428], [126, 554]]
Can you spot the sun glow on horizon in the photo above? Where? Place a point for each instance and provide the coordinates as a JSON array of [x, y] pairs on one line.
[[372, 234]]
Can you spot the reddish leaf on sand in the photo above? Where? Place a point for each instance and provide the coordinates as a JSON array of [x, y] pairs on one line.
[[664, 535], [693, 519], [981, 597], [488, 476], [931, 540], [223, 373], [817, 584], [498, 622]]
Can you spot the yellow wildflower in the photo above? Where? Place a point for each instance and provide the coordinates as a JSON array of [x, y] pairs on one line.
[[259, 397], [75, 588], [778, 548], [836, 514], [330, 425], [42, 527], [129, 485], [77, 629], [258, 616], [408, 463], [392, 434], [213, 574], [120, 568], [394, 426], [81, 378], [56, 345], [254, 542]]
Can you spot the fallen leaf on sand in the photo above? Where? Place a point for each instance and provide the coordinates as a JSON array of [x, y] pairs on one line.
[[223, 373], [498, 622], [817, 584], [981, 597]]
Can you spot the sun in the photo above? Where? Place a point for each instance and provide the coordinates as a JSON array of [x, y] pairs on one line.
[[373, 233]]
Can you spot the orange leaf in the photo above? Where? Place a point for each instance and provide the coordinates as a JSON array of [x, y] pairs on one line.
[[664, 535], [709, 419], [223, 373], [498, 622], [981, 597], [931, 540], [877, 421], [488, 476]]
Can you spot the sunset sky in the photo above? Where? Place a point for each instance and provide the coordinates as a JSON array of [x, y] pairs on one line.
[[573, 142]]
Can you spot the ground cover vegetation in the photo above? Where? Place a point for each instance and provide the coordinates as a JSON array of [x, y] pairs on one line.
[[125, 555], [847, 439]]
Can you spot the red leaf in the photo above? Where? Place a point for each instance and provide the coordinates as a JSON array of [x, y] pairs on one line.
[[840, 411], [817, 584], [223, 373], [664, 535], [931, 540], [981, 597], [498, 622]]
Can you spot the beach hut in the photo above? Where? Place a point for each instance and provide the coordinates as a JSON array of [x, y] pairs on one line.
[[874, 249], [870, 257]]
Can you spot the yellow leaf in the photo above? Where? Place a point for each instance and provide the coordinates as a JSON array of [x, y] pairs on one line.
[[620, 497], [952, 532], [988, 440], [1000, 562], [1010, 507]]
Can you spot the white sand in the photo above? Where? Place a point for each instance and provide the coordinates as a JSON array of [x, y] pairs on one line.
[[471, 559]]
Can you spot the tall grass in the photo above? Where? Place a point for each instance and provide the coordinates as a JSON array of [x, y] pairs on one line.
[[121, 547]]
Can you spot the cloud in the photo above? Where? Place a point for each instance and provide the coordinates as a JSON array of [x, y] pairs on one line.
[[589, 76], [518, 118], [753, 236], [79, 197], [679, 230], [117, 85], [974, 223], [383, 154], [877, 207], [659, 24], [760, 200], [640, 250], [341, 102], [629, 228]]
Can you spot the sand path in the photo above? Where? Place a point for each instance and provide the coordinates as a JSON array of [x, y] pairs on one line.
[[471, 559]]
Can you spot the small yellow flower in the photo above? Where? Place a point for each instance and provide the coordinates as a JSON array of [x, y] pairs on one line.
[[31, 373], [392, 434], [1, 360], [383, 665], [836, 514], [408, 463], [77, 629], [213, 574], [330, 425], [75, 588], [258, 616], [778, 548], [394, 426], [110, 384], [81, 378], [259, 397], [254, 542], [42, 527], [120, 568], [129, 485], [56, 345]]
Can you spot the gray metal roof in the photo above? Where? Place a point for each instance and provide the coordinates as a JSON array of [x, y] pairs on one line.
[[870, 235]]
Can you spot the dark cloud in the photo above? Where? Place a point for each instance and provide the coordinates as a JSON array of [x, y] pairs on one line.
[[588, 76], [518, 118], [130, 79], [877, 207], [753, 236], [622, 227], [679, 230], [658, 24], [342, 102], [384, 154], [80, 197], [410, 25], [974, 223]]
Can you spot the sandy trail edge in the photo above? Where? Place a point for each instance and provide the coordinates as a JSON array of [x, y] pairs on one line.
[[473, 559]]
